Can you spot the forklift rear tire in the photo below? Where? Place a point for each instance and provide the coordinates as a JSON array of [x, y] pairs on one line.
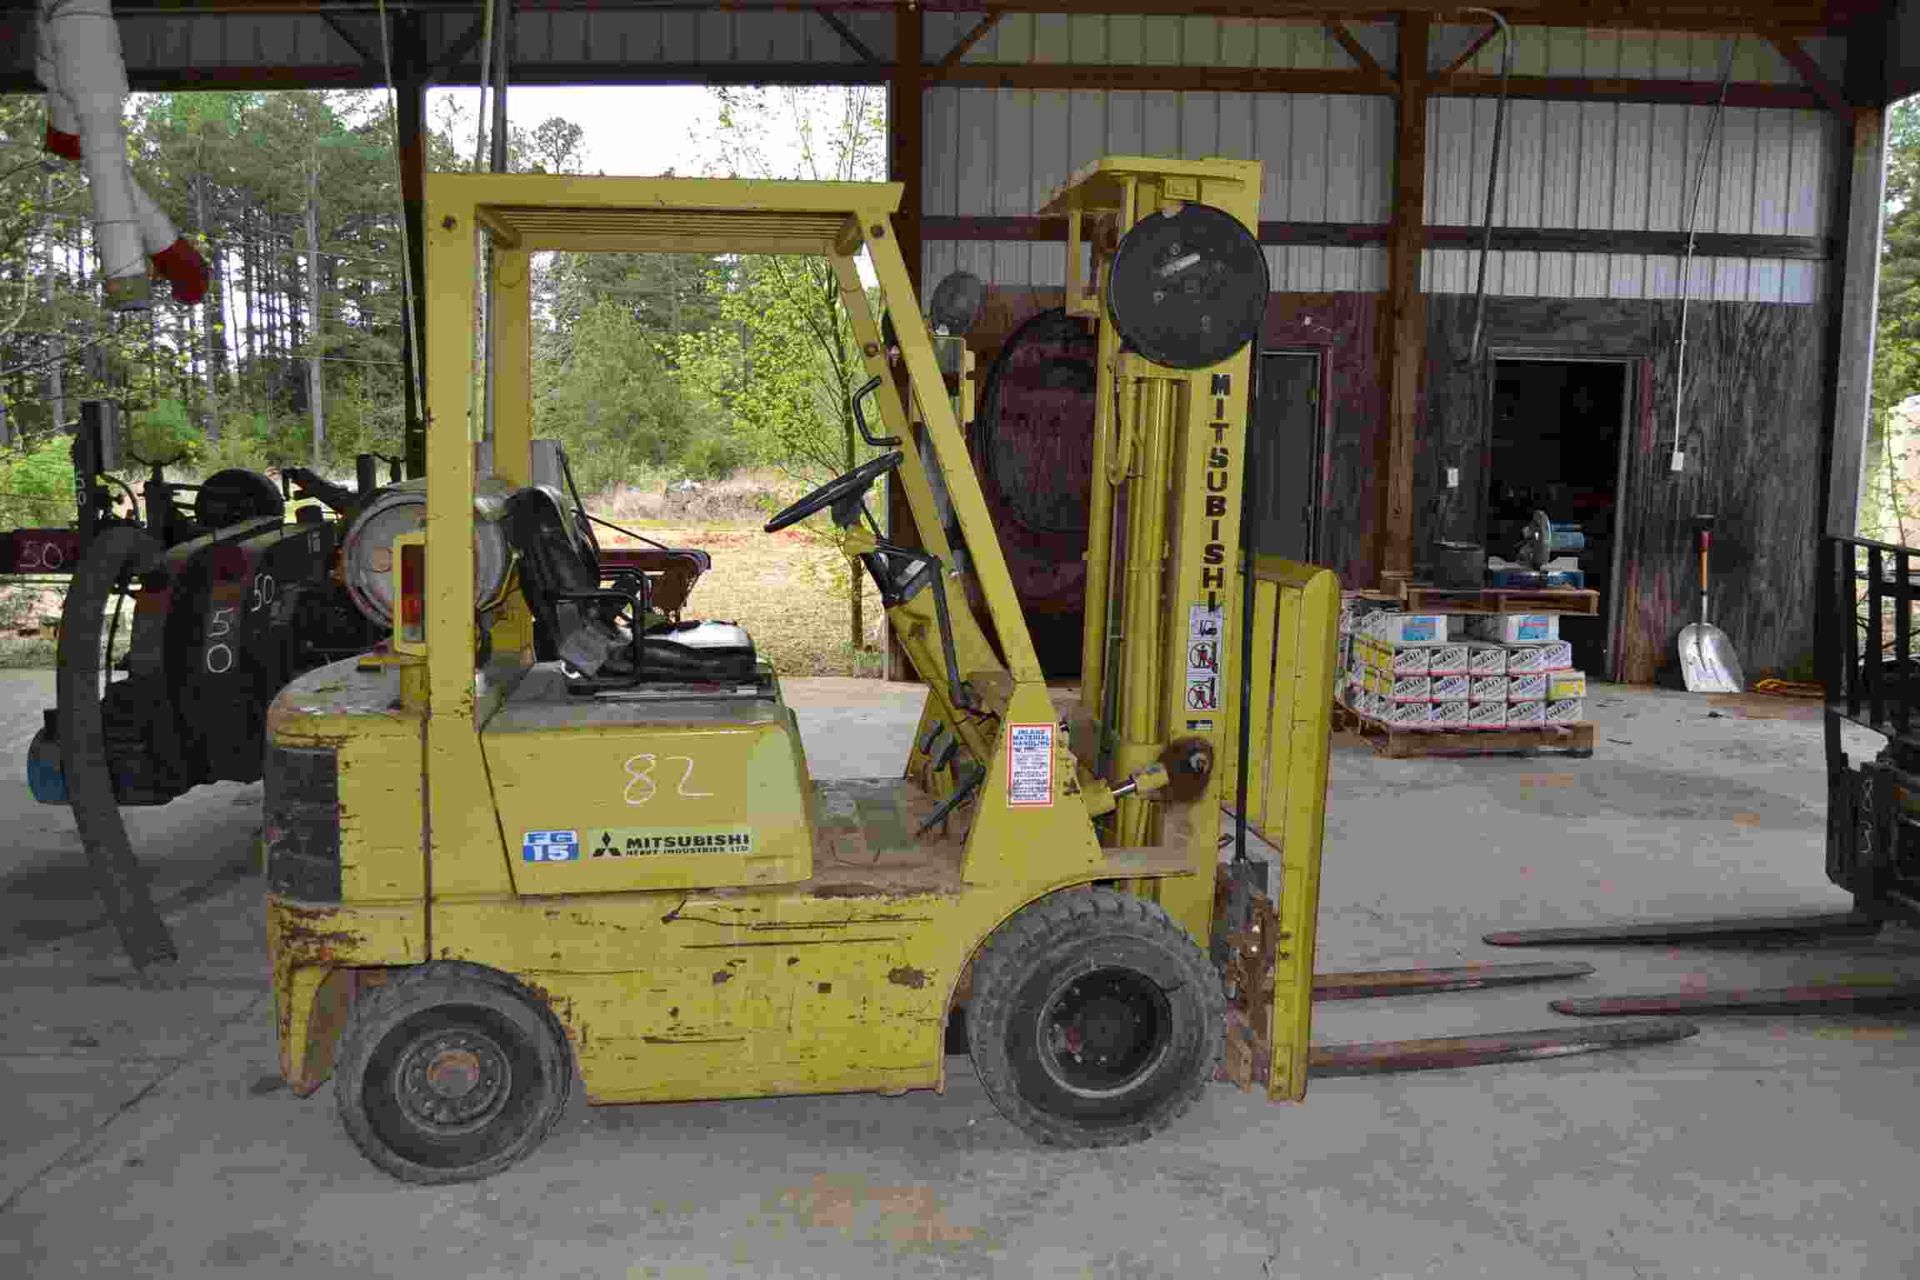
[[1095, 1019], [450, 1072]]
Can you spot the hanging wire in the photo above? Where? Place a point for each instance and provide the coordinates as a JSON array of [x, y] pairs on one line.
[[487, 8], [409, 302], [1686, 265], [1493, 178]]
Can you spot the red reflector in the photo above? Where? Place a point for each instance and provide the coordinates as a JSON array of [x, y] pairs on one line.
[[413, 586]]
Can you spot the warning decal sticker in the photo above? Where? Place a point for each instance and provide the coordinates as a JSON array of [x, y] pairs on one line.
[[1029, 766], [1203, 658]]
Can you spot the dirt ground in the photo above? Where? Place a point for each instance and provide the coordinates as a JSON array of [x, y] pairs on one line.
[[788, 589]]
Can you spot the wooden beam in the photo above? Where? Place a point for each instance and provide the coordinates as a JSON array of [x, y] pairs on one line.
[[1466, 55], [1406, 333], [1068, 76], [967, 41], [410, 124], [1346, 235], [1702, 93], [906, 127], [1688, 15], [1355, 50], [1854, 294], [1811, 75], [347, 38], [1012, 75], [456, 51], [848, 36], [906, 164]]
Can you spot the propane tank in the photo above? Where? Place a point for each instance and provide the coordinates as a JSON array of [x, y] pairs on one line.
[[367, 553], [46, 767]]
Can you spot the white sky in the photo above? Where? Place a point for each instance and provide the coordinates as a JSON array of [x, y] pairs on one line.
[[628, 131], [636, 131]]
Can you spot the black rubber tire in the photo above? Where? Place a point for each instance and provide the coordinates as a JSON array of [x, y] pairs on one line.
[[434, 999], [1037, 956], [236, 495], [118, 554]]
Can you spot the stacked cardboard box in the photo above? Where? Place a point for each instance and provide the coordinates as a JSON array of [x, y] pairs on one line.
[[1392, 664], [1467, 672], [1542, 686]]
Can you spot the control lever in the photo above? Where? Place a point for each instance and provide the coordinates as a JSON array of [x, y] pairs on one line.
[[860, 417], [954, 799]]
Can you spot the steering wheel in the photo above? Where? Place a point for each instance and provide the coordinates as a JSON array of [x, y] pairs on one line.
[[842, 493]]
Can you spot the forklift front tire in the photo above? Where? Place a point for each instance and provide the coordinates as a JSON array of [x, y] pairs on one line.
[[449, 1073], [1095, 1020]]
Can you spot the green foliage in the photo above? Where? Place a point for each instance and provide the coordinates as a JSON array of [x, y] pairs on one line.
[[36, 484], [44, 471], [1888, 508], [163, 432], [647, 366], [612, 400]]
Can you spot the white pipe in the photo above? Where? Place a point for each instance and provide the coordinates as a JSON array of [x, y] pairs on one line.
[[80, 66]]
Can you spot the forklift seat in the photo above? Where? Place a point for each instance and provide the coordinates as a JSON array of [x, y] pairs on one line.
[[588, 621]]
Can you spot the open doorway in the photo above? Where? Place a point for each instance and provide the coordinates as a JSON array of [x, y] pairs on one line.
[[1284, 469], [1555, 446]]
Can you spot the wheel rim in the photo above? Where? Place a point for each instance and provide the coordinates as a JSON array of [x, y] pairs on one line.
[[115, 638], [1104, 1031], [452, 1081]]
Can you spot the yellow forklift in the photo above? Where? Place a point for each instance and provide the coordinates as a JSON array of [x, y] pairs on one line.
[[553, 827]]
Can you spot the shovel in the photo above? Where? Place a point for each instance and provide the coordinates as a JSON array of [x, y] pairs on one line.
[[1707, 659]]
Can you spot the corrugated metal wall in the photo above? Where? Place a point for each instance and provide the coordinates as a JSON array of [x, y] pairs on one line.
[[1153, 40], [718, 36], [1629, 167], [1000, 152], [1328, 158], [1636, 55], [604, 40]]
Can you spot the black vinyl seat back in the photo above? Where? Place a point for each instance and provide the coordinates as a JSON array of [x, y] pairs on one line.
[[555, 562], [590, 625]]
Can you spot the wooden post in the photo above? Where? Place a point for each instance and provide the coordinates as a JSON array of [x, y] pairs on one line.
[[411, 122], [906, 129], [1407, 326], [1855, 300]]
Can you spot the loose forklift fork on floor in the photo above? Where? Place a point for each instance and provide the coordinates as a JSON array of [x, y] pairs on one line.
[[550, 829], [1864, 637]]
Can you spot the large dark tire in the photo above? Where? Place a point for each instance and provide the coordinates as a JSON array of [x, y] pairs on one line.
[[450, 1072], [1095, 1019], [118, 555], [235, 495]]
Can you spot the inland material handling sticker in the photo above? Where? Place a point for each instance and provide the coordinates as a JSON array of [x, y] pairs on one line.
[[1029, 766]]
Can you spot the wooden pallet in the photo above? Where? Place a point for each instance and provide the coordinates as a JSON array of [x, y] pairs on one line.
[[1501, 600], [1401, 744]]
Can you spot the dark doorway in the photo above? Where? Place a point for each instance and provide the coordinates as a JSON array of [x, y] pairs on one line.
[[1555, 447], [1284, 469]]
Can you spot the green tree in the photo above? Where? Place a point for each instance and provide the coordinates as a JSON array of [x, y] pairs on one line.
[[613, 401], [1888, 507], [785, 364]]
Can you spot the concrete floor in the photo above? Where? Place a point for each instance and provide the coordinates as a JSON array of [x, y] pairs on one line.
[[143, 1130]]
